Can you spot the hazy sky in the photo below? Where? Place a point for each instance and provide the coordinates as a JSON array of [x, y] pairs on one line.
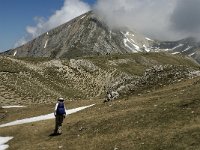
[[22, 20]]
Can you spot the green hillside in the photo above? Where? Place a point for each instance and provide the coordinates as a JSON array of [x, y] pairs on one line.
[[167, 118], [157, 107], [41, 80]]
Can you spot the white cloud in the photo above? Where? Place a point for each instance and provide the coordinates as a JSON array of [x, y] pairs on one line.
[[147, 16], [159, 19], [70, 10]]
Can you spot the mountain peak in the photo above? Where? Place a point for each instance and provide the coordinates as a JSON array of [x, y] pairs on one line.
[[89, 35], [83, 36]]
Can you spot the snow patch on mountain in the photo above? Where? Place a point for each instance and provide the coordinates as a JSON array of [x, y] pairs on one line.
[[148, 39], [166, 49], [192, 54], [83, 17], [136, 47], [176, 53], [189, 47], [45, 45], [125, 43], [15, 53], [146, 48], [110, 34], [130, 43], [180, 45]]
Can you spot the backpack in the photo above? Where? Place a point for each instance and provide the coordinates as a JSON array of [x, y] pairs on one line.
[[60, 109]]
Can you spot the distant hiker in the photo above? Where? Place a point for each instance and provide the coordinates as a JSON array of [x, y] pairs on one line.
[[111, 95], [108, 97], [60, 115]]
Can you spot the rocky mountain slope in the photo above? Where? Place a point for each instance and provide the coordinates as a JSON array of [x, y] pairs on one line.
[[42, 80], [83, 36], [188, 46], [88, 35]]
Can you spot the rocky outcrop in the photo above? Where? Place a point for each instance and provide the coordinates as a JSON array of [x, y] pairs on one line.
[[159, 76], [28, 80]]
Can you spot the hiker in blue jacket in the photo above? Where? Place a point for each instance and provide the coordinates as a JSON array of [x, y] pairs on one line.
[[60, 114]]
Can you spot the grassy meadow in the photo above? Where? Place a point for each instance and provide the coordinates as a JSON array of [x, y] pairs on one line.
[[167, 118]]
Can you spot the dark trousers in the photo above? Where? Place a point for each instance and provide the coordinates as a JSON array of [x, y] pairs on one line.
[[58, 124]]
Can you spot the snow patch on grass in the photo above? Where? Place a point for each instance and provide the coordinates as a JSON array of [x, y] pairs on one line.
[[4, 140], [42, 117], [14, 106]]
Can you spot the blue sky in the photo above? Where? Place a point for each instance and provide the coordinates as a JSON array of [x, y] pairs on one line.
[[16, 15], [159, 19]]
